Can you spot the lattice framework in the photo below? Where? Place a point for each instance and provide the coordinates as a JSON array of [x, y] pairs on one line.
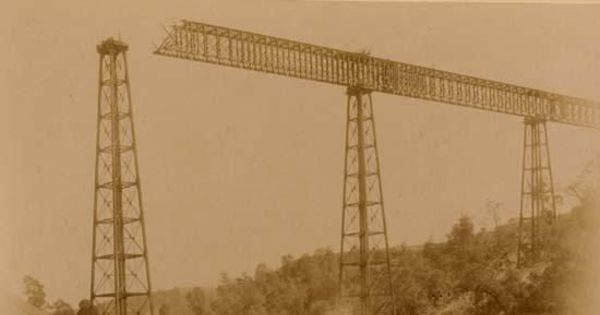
[[120, 282]]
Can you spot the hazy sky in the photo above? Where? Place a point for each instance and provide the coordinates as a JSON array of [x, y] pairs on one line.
[[239, 168]]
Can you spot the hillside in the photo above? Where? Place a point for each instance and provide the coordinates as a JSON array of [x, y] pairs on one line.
[[473, 272]]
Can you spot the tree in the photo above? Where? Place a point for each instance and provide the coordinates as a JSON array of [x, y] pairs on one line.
[[462, 233], [34, 291], [86, 308], [61, 307], [586, 189], [493, 209]]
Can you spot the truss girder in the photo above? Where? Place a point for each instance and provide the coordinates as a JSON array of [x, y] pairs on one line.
[[240, 49]]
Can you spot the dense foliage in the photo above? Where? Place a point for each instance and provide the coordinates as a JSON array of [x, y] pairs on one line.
[[472, 272]]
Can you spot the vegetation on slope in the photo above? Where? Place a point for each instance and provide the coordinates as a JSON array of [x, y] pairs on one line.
[[472, 272]]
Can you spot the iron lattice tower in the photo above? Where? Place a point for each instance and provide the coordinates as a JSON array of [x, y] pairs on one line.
[[365, 274], [120, 282], [538, 208]]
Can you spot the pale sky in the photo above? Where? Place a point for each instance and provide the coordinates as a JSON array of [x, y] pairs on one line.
[[240, 168]]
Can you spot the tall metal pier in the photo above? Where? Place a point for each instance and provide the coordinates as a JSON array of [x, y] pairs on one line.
[[364, 253], [538, 209], [120, 279]]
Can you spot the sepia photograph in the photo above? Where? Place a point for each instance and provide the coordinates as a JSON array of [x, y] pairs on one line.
[[299, 157]]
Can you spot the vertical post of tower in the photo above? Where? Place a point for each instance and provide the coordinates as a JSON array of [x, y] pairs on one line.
[[538, 209], [363, 233], [120, 280], [365, 281]]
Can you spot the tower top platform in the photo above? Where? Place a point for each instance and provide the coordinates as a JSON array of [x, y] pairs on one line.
[[111, 46]]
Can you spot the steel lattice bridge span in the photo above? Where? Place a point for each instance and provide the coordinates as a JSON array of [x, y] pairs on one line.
[[234, 48], [365, 282], [365, 276]]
